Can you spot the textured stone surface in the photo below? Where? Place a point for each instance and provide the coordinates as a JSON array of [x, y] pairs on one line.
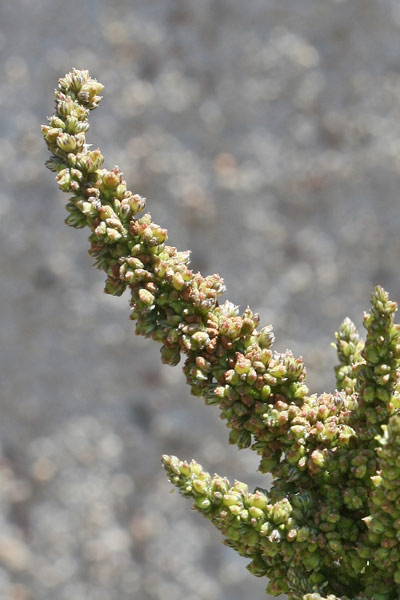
[[265, 136]]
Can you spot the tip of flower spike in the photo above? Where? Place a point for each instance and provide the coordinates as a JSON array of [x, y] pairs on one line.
[[171, 463], [166, 460], [81, 87], [380, 301], [346, 330]]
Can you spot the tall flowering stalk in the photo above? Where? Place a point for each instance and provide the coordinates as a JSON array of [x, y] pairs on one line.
[[329, 528]]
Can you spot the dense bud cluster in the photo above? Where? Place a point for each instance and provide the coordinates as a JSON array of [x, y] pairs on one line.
[[349, 347], [329, 528]]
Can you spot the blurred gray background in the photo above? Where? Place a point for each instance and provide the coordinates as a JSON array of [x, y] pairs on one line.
[[266, 136]]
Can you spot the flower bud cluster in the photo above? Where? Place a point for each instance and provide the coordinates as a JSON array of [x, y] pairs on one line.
[[263, 530], [384, 521], [329, 528], [349, 347], [377, 379]]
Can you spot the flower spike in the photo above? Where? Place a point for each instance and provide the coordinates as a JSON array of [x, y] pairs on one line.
[[329, 527]]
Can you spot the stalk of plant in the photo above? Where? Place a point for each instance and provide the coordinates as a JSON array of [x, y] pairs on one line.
[[329, 527]]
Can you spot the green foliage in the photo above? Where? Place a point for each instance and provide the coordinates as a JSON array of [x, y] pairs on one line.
[[329, 528]]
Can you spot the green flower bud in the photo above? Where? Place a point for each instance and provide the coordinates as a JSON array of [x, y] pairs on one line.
[[281, 511], [111, 179], [55, 123], [97, 159], [184, 468], [335, 546], [258, 500], [298, 432], [200, 338], [275, 537], [251, 376], [244, 515], [106, 212], [66, 142], [231, 498], [231, 327], [199, 486], [145, 296], [242, 365], [318, 458], [266, 392], [51, 134], [136, 203], [235, 510], [231, 377], [291, 535], [113, 236], [266, 528], [178, 282], [64, 180], [255, 512], [202, 503], [265, 337], [294, 455], [360, 472], [302, 534]]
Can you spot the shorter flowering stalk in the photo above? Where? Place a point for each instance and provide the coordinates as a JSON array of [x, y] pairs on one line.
[[292, 539], [377, 379], [349, 347], [267, 532]]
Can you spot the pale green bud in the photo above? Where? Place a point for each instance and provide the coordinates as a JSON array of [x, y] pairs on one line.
[[318, 458], [258, 500], [255, 512], [110, 179], [303, 534], [136, 203], [231, 499], [265, 337], [66, 142], [242, 365], [146, 297], [178, 282], [202, 503], [235, 510], [199, 486], [200, 338], [112, 234], [281, 511]]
